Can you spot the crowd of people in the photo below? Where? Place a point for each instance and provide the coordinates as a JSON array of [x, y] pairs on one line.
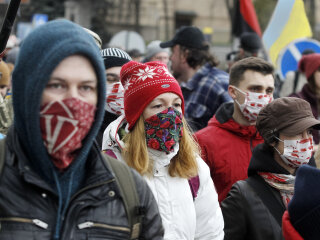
[[104, 143]]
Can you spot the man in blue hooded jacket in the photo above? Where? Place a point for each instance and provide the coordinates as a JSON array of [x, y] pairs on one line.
[[54, 182]]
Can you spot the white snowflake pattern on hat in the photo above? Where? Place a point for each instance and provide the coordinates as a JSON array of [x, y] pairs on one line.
[[128, 84], [143, 74], [166, 72]]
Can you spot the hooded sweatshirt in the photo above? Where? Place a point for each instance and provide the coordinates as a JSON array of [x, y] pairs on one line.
[[40, 54], [226, 146]]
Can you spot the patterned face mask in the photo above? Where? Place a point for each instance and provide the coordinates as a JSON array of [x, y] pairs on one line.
[[164, 130], [252, 104], [64, 124], [114, 98], [296, 152]]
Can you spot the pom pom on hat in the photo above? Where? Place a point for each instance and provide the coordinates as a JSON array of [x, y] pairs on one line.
[[143, 83], [309, 64]]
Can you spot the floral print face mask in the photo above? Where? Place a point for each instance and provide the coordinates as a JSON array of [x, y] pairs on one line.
[[164, 130]]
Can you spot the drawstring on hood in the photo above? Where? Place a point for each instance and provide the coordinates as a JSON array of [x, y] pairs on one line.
[[41, 52]]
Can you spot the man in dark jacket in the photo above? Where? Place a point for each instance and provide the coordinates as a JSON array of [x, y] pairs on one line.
[[228, 140], [203, 85], [55, 183], [254, 207]]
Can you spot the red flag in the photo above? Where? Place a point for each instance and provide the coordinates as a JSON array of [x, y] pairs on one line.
[[245, 18]]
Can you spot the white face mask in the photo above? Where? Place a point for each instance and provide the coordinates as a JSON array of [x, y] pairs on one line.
[[114, 98], [252, 104], [296, 152]]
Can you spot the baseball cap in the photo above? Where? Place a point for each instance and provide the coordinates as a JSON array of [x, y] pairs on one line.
[[288, 115], [188, 36]]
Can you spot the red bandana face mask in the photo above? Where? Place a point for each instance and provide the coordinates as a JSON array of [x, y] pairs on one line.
[[64, 124], [164, 130]]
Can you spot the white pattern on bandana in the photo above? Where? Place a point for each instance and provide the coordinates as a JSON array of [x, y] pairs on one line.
[[64, 124]]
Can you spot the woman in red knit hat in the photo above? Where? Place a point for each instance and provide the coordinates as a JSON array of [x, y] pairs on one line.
[[310, 65], [153, 138]]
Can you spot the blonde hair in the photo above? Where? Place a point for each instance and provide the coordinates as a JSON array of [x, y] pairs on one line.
[[182, 165]]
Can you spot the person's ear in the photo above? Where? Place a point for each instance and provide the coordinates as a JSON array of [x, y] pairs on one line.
[[241, 52], [232, 92], [184, 55]]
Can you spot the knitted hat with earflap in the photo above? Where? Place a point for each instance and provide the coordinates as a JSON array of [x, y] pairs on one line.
[[142, 83], [309, 64]]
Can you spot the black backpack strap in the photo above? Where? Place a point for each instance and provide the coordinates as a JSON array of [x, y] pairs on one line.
[[2, 153], [296, 79], [268, 196], [128, 191]]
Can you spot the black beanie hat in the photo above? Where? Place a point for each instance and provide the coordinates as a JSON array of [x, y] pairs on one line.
[[114, 57], [250, 42], [304, 208]]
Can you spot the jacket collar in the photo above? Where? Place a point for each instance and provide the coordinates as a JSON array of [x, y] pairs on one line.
[[160, 158], [223, 119], [111, 138], [193, 82], [262, 160], [17, 157], [96, 170]]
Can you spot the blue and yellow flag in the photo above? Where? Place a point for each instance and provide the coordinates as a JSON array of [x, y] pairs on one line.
[[288, 22]]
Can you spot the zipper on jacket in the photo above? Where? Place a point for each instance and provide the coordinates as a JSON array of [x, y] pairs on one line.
[[36, 222], [102, 225], [77, 194]]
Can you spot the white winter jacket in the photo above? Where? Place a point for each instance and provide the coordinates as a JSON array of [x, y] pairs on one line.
[[183, 217]]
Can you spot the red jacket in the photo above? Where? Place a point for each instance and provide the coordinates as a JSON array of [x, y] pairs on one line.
[[227, 147], [289, 232]]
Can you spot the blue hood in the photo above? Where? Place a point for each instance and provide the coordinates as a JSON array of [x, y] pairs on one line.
[[40, 53]]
